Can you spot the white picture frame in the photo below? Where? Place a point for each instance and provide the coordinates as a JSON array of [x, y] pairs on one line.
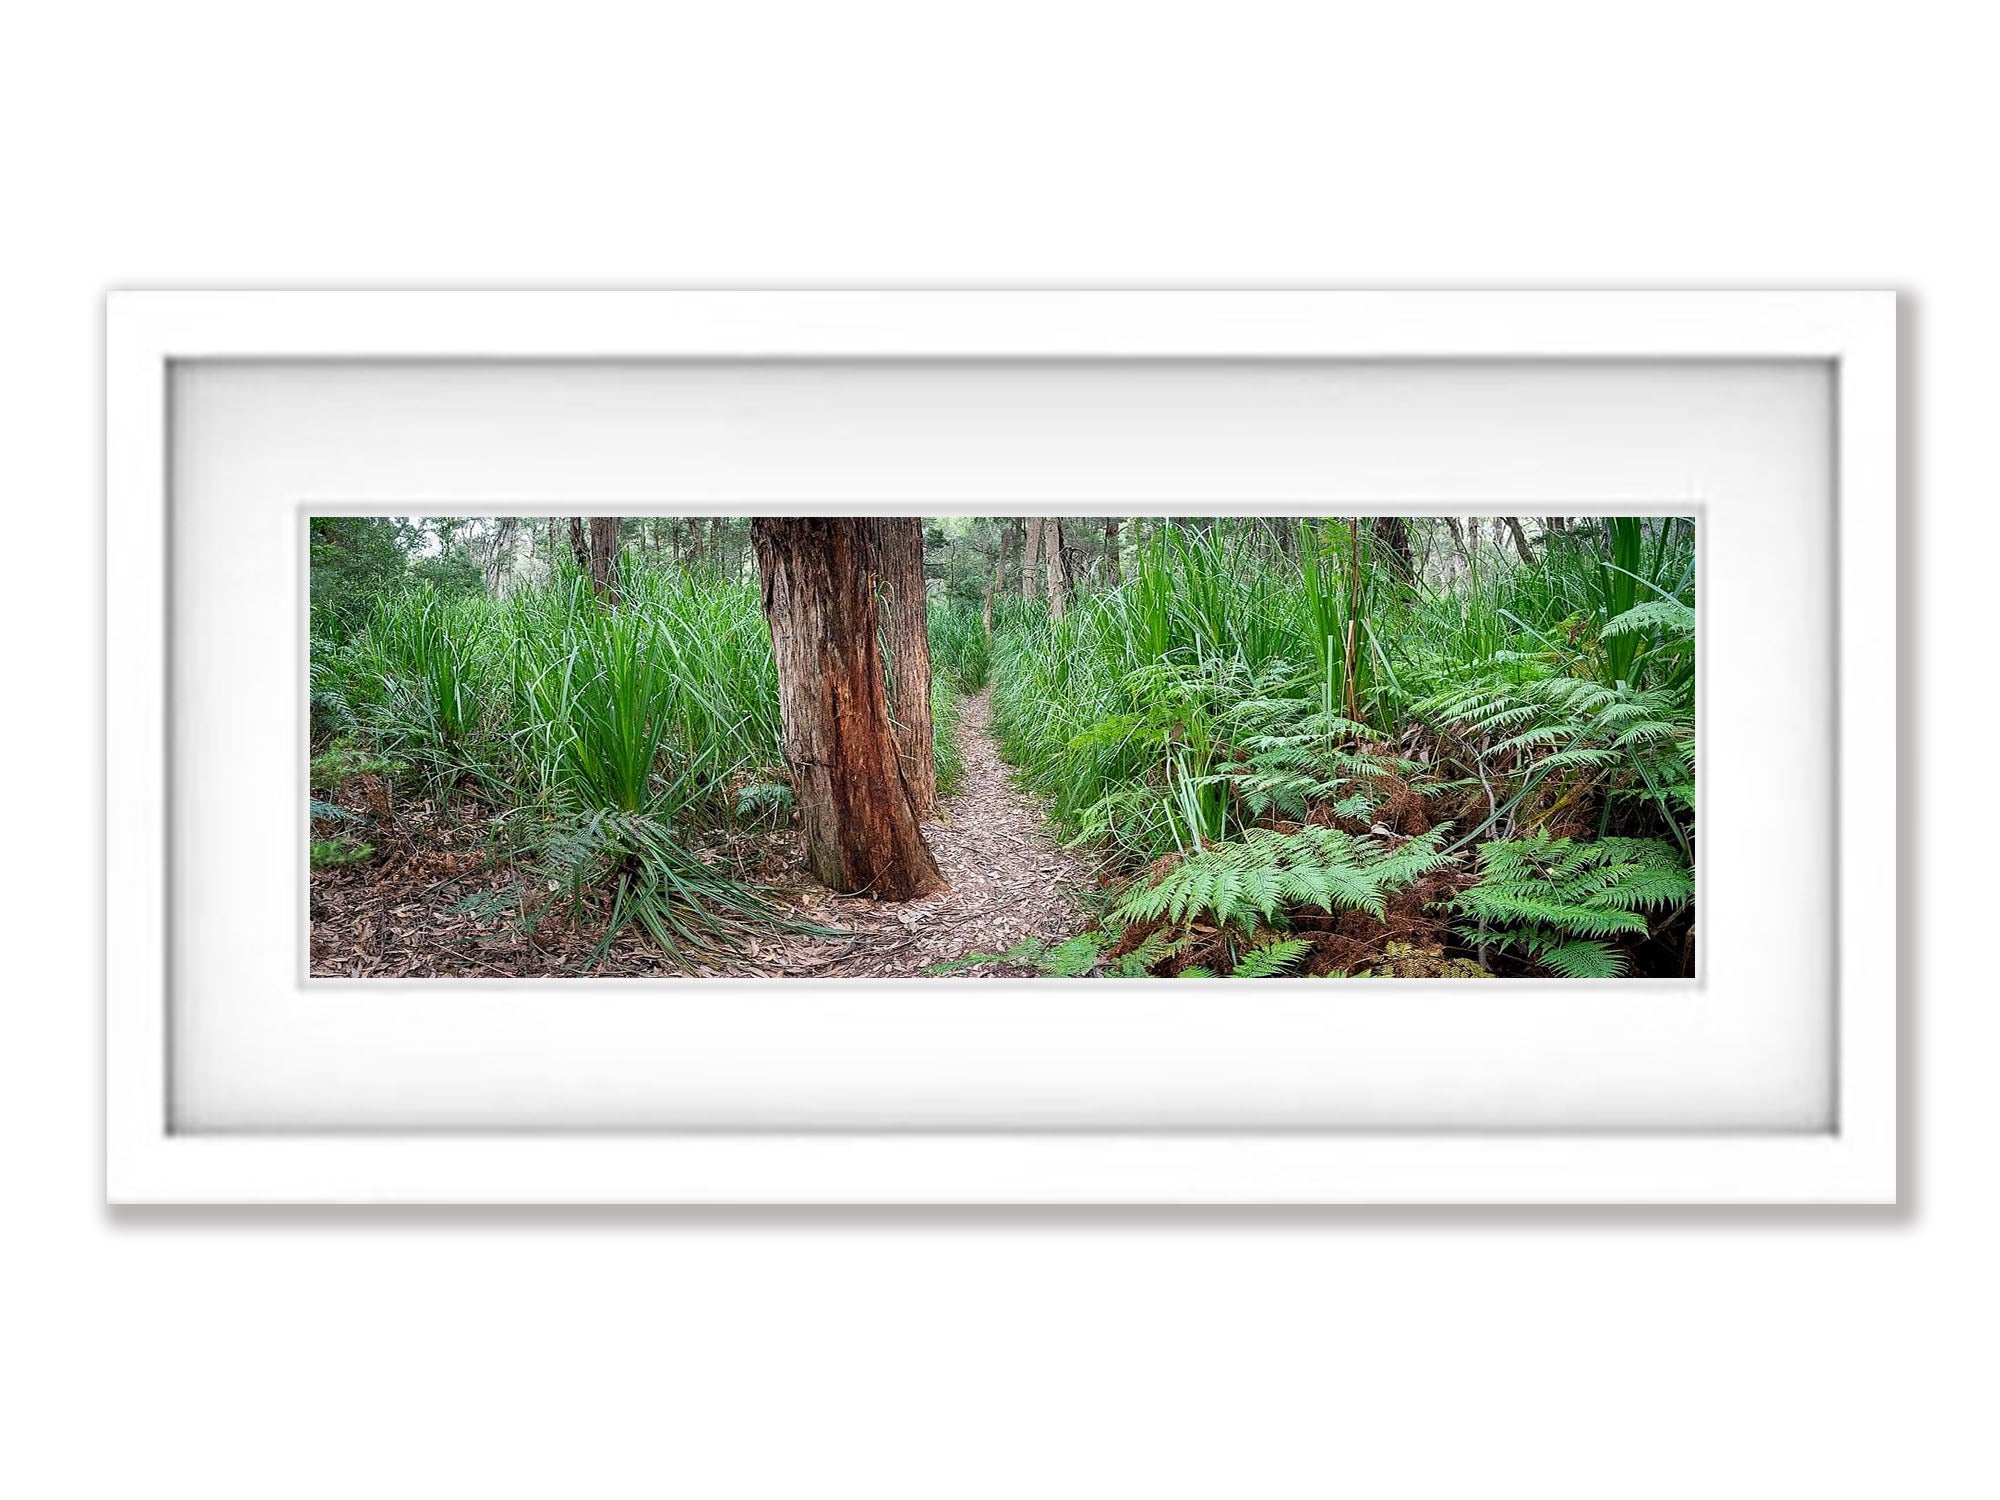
[[152, 1157]]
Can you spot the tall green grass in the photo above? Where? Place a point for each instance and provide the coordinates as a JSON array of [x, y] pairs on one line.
[[1124, 714], [426, 666], [946, 755], [664, 704], [960, 648], [604, 739], [1225, 685]]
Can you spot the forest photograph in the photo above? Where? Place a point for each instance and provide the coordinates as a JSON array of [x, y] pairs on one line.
[[1142, 748]]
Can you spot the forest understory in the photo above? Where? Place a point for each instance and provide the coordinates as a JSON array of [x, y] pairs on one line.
[[444, 909], [1352, 748]]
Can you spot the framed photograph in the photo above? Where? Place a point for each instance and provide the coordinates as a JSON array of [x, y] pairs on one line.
[[1010, 747]]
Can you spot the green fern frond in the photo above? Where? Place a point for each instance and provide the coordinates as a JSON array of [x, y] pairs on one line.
[[1584, 960], [1069, 959], [1247, 880], [1558, 900], [1669, 616], [1079, 955], [1271, 959]]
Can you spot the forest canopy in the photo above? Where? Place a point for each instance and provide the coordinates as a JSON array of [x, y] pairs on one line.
[[1364, 747]]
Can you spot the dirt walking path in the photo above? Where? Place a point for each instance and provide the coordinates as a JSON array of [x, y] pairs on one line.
[[1009, 880], [436, 904]]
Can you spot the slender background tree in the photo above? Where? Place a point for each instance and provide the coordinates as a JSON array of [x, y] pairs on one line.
[[1058, 565], [595, 541]]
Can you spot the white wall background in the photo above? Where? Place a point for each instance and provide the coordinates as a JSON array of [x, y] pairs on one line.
[[1449, 1353]]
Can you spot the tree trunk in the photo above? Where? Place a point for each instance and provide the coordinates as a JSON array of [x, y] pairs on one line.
[[500, 560], [1395, 536], [819, 597], [1458, 539], [595, 543], [1031, 552], [899, 548], [1111, 545], [604, 549], [1521, 546], [1052, 545]]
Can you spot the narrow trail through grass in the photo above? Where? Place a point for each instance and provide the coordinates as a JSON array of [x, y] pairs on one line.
[[1316, 748], [1009, 880]]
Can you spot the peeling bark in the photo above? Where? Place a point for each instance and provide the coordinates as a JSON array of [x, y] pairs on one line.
[[860, 821], [899, 547]]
